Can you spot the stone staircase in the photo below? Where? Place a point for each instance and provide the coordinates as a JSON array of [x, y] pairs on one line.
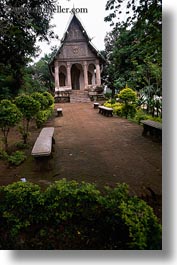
[[79, 96]]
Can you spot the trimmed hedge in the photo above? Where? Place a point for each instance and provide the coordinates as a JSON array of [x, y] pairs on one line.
[[72, 215]]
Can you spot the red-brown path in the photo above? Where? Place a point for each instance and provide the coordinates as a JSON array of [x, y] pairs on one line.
[[104, 150]]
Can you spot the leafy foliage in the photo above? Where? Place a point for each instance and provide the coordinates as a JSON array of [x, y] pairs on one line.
[[47, 106], [16, 158], [134, 46], [72, 215], [41, 99], [40, 72], [29, 107], [141, 115], [9, 117], [49, 98], [22, 24], [128, 96], [37, 77], [43, 115]]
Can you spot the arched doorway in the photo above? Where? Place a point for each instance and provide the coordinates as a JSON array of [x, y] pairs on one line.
[[77, 78], [91, 74], [62, 76], [62, 79]]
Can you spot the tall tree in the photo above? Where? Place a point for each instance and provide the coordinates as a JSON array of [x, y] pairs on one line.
[[37, 76], [22, 22], [135, 52]]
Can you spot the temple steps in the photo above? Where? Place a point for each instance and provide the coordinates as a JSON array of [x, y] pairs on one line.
[[78, 96]]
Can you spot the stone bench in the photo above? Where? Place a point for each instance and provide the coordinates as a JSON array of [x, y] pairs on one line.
[[152, 127], [105, 111], [59, 112], [43, 144], [96, 105]]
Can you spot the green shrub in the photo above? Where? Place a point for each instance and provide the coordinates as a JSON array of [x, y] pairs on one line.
[[29, 107], [41, 99], [141, 115], [72, 215], [67, 198], [9, 117], [117, 107], [129, 97], [16, 158], [49, 98], [21, 145], [143, 226], [20, 207], [3, 154], [128, 110], [43, 115], [108, 104]]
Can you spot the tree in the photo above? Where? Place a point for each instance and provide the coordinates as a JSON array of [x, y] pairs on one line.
[[37, 77], [128, 96], [41, 99], [29, 107], [10, 115], [41, 70], [134, 48], [21, 24]]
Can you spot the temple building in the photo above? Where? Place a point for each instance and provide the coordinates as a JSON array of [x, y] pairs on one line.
[[77, 64]]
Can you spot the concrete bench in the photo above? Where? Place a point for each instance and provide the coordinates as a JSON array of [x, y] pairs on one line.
[[105, 111], [96, 105], [43, 144], [59, 112], [152, 127]]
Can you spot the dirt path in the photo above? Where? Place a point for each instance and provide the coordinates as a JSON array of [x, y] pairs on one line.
[[97, 149], [105, 150]]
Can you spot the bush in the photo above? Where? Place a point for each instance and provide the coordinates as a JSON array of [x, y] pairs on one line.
[[16, 158], [72, 215], [43, 115], [128, 110], [49, 98], [141, 115], [29, 108], [9, 117], [118, 110], [41, 99], [20, 207], [117, 107], [129, 98], [3, 154], [22, 146]]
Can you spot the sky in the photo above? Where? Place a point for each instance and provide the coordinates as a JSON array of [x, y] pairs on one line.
[[91, 14]]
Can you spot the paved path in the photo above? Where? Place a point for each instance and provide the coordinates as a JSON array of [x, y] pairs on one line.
[[104, 150]]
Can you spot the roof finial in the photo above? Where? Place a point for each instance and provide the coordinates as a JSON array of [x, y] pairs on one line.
[[73, 10]]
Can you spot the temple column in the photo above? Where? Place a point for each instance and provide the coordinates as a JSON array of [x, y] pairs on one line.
[[56, 75], [85, 75], [69, 75], [98, 74]]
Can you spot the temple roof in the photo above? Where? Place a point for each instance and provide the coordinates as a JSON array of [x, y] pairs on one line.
[[74, 19]]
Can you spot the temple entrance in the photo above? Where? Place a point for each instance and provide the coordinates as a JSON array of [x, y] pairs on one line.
[[62, 76], [91, 74], [62, 79], [77, 76]]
